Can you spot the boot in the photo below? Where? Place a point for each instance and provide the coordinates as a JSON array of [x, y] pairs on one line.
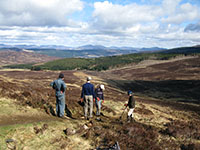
[[128, 119], [132, 119]]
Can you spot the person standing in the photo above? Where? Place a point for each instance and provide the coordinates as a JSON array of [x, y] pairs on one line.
[[99, 98], [87, 96], [59, 86], [131, 105]]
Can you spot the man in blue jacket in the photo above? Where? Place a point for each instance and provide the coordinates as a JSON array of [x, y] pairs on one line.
[[87, 95], [59, 86]]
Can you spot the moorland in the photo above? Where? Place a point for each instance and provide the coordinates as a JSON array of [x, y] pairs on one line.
[[167, 114]]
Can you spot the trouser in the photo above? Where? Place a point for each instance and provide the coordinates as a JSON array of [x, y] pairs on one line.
[[60, 106], [130, 113], [98, 106], [88, 104]]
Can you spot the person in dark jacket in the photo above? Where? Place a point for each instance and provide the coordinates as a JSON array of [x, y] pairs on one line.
[[131, 105], [87, 95], [99, 98], [59, 86]]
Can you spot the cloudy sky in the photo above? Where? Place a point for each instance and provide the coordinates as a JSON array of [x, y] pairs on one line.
[[136, 23]]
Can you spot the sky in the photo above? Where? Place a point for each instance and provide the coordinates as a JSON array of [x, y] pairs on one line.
[[73, 23]]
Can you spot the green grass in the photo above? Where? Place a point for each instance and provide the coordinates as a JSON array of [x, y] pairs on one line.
[[6, 133]]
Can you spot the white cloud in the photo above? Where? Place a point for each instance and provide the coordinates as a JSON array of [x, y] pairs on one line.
[[132, 24], [169, 6], [73, 37], [110, 16], [183, 13], [37, 12]]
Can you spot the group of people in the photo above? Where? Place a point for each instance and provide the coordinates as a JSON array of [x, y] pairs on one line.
[[88, 95]]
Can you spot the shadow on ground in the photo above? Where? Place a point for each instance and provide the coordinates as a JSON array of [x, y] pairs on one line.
[[178, 90]]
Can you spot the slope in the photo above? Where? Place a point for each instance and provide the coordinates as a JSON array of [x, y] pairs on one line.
[[9, 57], [159, 124]]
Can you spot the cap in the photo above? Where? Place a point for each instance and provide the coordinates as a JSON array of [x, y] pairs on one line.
[[129, 92], [89, 78], [61, 75], [102, 87]]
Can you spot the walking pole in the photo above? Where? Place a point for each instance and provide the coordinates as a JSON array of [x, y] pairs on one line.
[[123, 113]]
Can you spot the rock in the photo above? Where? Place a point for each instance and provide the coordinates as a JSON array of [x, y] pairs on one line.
[[45, 126], [69, 131], [9, 140], [90, 124], [40, 130], [85, 127], [36, 130]]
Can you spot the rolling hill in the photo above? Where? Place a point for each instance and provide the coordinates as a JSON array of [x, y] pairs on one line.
[[183, 50], [8, 57]]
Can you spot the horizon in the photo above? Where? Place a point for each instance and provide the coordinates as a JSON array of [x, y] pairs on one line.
[[113, 46], [121, 23]]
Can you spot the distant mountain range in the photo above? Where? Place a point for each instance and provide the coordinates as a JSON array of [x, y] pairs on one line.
[[84, 47], [92, 51], [86, 51]]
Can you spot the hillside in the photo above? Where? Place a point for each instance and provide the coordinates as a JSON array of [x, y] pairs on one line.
[[176, 79], [163, 121], [183, 50], [109, 62], [9, 57], [101, 63]]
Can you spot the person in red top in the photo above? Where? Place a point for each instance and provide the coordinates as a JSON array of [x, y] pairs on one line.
[[99, 98]]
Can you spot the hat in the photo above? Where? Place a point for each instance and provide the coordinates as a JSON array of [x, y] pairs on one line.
[[61, 75], [102, 87], [129, 92], [89, 78]]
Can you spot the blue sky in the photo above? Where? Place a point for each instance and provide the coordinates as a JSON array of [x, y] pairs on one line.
[[135, 23]]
